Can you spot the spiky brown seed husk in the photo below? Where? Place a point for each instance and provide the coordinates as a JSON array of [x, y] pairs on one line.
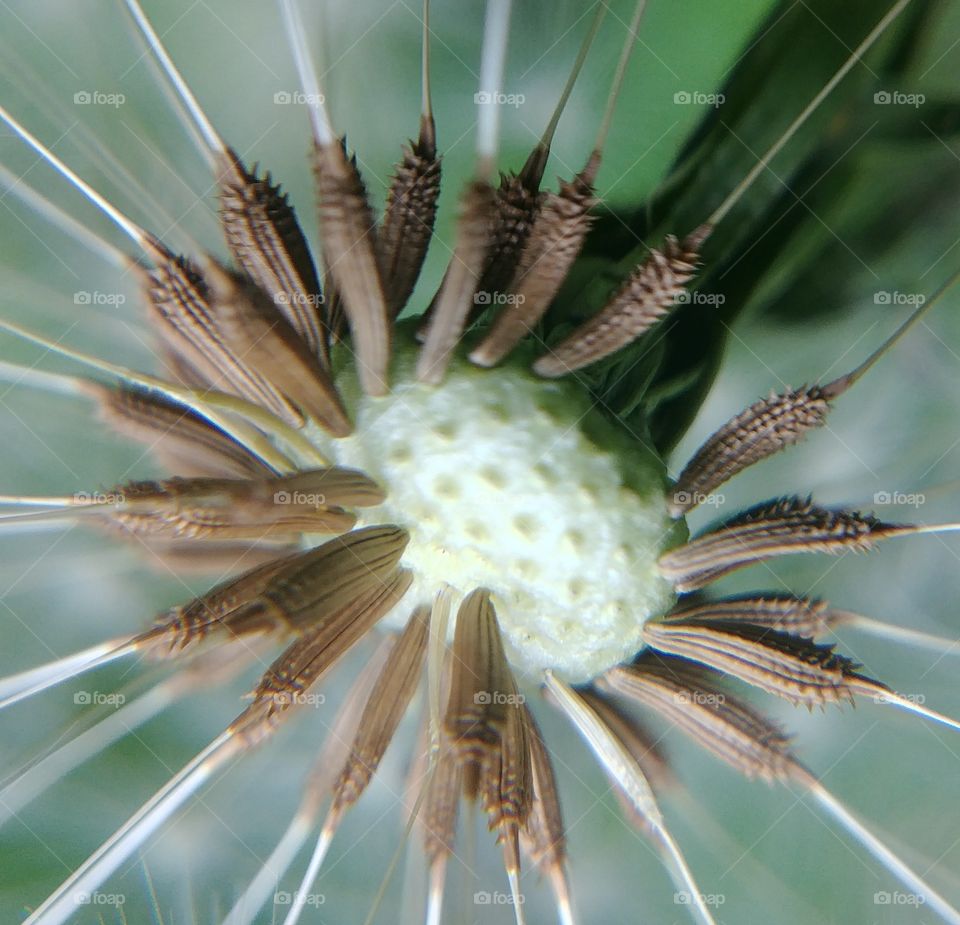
[[648, 294], [310, 501], [254, 329], [508, 790], [517, 204], [191, 622], [329, 576], [481, 682], [304, 662], [640, 742], [772, 528], [179, 297], [710, 715], [487, 725], [765, 428], [266, 240], [792, 667], [289, 594], [247, 521], [408, 220], [554, 242], [516, 201]]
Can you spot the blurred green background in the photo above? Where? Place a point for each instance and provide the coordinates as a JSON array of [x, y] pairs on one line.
[[872, 210]]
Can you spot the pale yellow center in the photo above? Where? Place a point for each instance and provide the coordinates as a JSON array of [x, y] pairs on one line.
[[516, 484]]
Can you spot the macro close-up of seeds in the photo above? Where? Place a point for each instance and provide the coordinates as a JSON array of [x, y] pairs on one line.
[[479, 462]]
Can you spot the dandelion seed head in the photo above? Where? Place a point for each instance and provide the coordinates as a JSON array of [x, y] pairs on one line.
[[476, 488]]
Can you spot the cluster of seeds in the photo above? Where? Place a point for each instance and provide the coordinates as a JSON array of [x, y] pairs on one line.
[[434, 480]]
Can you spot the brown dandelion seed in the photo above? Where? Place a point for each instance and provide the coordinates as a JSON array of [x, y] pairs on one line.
[[797, 615], [287, 595], [258, 332], [253, 329], [648, 295], [244, 509], [770, 425], [554, 243], [765, 428], [265, 238], [179, 295], [709, 714], [409, 217], [349, 241], [770, 529], [385, 707], [792, 667], [307, 659], [259, 224], [455, 299]]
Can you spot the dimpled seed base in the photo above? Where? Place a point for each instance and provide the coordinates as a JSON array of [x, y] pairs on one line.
[[500, 487]]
